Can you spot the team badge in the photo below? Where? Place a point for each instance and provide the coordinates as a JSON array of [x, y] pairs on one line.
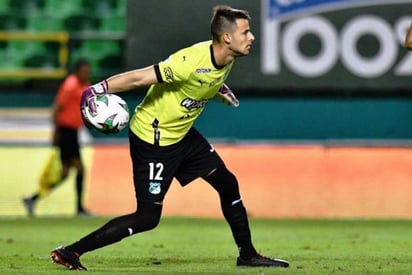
[[154, 188], [168, 73]]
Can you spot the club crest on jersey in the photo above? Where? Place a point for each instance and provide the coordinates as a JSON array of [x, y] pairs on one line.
[[155, 188], [191, 104]]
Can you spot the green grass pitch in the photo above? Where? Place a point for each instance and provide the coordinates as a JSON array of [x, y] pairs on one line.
[[190, 245]]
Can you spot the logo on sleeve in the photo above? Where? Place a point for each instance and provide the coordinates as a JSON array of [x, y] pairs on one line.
[[168, 73]]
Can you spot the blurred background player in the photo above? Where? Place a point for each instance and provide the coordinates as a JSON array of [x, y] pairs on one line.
[[164, 145], [67, 122]]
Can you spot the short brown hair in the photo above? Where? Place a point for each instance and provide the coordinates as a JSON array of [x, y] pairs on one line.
[[224, 18]]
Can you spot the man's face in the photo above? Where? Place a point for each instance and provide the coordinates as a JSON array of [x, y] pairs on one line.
[[84, 73], [241, 38]]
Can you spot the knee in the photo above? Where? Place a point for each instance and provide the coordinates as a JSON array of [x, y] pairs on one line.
[[78, 165], [150, 214], [225, 183], [152, 219], [231, 178], [153, 222]]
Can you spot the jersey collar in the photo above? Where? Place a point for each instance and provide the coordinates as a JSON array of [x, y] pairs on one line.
[[212, 55]]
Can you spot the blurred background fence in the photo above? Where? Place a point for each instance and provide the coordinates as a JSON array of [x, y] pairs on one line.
[[321, 73]]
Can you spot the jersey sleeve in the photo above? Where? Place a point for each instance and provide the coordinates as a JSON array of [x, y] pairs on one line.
[[176, 68]]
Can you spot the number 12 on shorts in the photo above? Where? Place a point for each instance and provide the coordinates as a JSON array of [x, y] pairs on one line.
[[155, 170]]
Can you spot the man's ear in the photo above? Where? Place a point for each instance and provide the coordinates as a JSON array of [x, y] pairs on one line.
[[227, 38]]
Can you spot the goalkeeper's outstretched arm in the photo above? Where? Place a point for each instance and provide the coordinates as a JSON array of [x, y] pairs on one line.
[[118, 83], [131, 80]]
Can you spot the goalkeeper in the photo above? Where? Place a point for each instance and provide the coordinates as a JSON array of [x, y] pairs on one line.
[[163, 143]]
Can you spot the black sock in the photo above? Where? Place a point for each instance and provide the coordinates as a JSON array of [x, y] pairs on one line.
[[236, 216], [79, 191], [145, 218], [233, 210]]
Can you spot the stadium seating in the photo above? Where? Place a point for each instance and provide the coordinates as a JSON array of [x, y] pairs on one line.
[[26, 7], [9, 62], [42, 23], [25, 49], [101, 8], [83, 19], [44, 61], [63, 8], [9, 22], [96, 51], [116, 24], [4, 6], [121, 7], [81, 23]]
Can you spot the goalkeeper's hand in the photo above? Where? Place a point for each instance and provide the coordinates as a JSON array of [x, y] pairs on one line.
[[87, 99], [226, 96]]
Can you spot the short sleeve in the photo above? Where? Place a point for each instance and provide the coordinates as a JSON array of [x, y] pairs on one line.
[[176, 68]]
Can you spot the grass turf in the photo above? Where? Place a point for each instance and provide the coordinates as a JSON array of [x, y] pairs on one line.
[[181, 245]]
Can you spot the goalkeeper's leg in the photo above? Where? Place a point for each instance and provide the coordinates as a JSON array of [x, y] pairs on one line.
[[225, 183], [145, 218]]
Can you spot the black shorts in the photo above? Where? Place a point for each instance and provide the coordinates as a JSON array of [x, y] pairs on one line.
[[68, 144], [154, 167]]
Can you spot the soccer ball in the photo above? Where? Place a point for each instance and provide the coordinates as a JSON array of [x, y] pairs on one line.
[[112, 114]]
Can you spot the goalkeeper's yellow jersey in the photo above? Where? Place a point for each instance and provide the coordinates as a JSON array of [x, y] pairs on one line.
[[188, 79]]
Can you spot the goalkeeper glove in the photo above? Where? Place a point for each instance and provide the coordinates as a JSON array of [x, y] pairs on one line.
[[226, 96], [88, 100]]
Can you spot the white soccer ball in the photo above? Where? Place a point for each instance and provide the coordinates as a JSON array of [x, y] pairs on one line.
[[112, 114]]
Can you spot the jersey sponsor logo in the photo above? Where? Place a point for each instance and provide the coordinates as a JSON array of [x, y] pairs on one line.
[[191, 104], [155, 188], [168, 73], [203, 70]]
